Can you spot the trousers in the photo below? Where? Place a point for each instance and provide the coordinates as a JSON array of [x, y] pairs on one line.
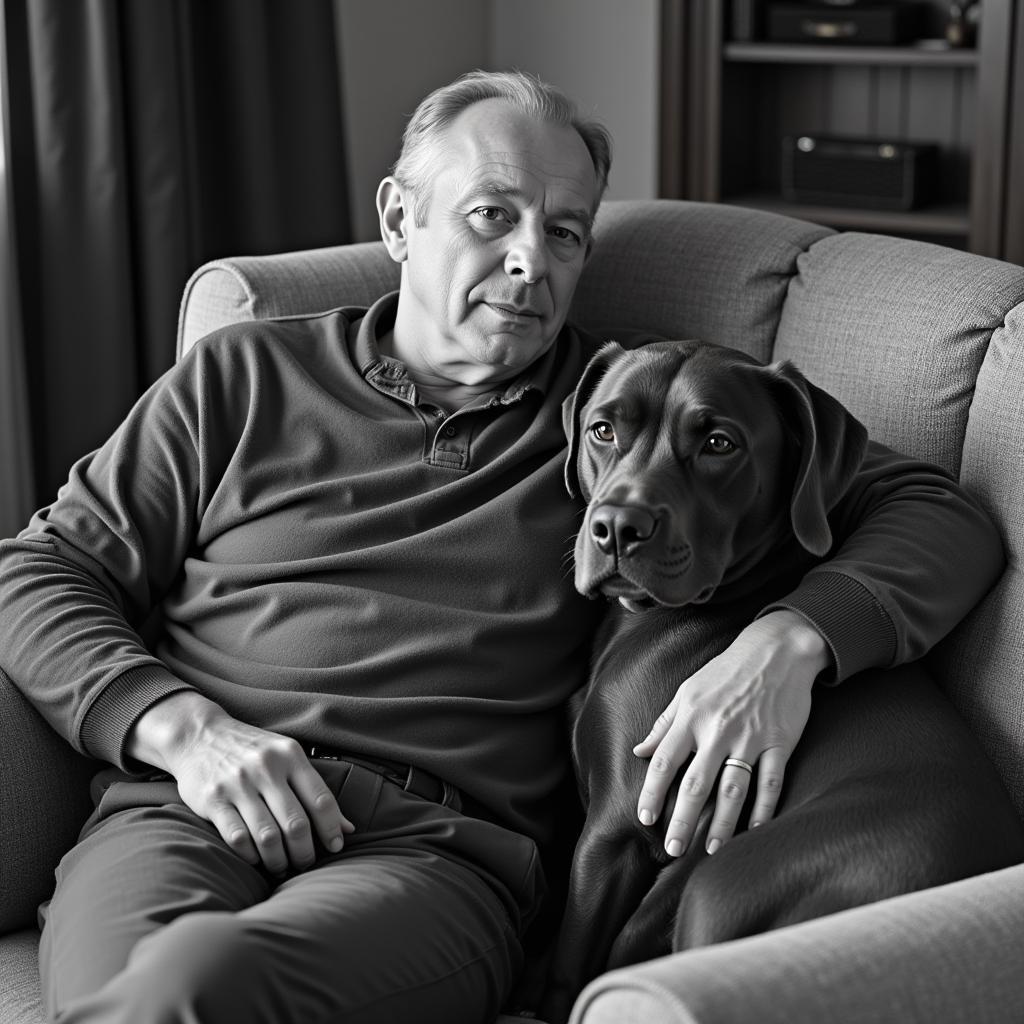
[[154, 920]]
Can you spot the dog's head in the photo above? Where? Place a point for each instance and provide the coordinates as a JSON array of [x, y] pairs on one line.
[[695, 460]]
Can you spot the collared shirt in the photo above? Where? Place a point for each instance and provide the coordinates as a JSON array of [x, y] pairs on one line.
[[333, 561]]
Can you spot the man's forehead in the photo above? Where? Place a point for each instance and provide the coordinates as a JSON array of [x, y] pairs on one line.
[[494, 148]]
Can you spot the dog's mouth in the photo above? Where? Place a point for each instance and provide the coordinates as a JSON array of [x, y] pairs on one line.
[[629, 595], [635, 598]]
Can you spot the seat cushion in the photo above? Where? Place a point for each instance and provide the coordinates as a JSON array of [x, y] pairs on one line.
[[20, 1002]]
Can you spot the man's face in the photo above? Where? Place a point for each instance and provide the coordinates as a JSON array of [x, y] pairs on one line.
[[489, 275]]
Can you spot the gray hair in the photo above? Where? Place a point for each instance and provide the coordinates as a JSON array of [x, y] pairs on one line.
[[524, 91]]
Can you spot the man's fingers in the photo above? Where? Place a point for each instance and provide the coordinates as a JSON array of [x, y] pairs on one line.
[[324, 813], [649, 743], [771, 772], [733, 786], [265, 833], [293, 826], [666, 760], [228, 822], [695, 787]]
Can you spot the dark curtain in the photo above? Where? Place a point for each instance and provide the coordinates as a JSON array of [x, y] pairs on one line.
[[144, 138]]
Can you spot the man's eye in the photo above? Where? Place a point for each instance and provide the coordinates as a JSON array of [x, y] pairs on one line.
[[719, 444], [603, 431], [565, 235], [494, 214]]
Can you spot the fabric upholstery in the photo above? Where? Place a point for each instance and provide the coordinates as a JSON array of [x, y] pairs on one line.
[[897, 330], [926, 345], [982, 663], [861, 966], [44, 799], [20, 1002], [687, 270], [256, 287]]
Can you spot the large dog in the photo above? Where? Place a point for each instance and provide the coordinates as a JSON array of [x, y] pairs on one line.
[[709, 479]]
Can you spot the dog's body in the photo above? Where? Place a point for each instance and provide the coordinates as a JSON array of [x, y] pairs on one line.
[[887, 791]]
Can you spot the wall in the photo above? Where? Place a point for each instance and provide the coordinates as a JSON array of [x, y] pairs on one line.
[[603, 53], [392, 53]]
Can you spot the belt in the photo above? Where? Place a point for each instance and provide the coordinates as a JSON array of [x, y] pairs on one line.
[[405, 776]]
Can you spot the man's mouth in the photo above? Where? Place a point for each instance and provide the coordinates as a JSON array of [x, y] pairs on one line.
[[513, 312]]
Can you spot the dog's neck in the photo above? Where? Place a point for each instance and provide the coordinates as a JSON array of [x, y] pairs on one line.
[[771, 574]]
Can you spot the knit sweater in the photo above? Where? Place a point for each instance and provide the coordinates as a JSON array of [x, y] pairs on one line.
[[335, 561]]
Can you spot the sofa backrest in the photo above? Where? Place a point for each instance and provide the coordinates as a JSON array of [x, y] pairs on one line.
[[925, 344]]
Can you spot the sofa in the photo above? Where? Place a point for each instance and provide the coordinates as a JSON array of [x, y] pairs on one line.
[[926, 345]]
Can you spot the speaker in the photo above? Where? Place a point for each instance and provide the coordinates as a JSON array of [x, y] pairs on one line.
[[872, 173], [858, 24]]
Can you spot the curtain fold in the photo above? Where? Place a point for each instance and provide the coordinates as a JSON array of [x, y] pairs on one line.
[[16, 483], [145, 139]]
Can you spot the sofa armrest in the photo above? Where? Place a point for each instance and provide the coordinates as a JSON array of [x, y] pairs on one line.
[[284, 284], [950, 953], [44, 799]]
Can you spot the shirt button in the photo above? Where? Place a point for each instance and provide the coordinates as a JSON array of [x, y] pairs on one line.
[[450, 431]]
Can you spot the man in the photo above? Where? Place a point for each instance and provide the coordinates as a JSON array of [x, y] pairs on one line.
[[352, 526]]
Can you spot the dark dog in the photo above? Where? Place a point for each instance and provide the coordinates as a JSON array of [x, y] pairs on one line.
[[709, 479]]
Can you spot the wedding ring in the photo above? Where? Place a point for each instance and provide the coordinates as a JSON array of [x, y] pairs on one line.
[[737, 763]]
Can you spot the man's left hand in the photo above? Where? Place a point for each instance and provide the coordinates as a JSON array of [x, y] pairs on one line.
[[750, 704]]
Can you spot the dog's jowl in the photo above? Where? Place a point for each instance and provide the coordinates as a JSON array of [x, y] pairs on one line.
[[711, 481]]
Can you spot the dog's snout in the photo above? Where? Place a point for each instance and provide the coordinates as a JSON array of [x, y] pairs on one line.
[[621, 528]]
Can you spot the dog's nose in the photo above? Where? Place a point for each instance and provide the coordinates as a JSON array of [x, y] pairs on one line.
[[621, 528]]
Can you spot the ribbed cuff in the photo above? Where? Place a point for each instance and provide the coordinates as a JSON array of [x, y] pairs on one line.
[[854, 624], [113, 714]]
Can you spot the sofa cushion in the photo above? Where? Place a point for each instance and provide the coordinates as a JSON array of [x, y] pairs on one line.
[[691, 270], [982, 662], [20, 1001], [897, 330]]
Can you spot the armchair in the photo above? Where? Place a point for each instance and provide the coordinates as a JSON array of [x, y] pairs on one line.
[[926, 345]]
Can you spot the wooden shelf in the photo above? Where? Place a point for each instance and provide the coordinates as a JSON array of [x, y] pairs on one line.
[[726, 106], [923, 55], [945, 221]]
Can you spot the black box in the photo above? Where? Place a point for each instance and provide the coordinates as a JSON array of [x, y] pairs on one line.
[[872, 173], [861, 24]]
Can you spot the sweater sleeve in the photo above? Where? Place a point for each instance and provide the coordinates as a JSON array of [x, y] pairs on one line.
[[78, 583], [913, 553]]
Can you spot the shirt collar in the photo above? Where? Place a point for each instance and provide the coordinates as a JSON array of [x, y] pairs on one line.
[[392, 377]]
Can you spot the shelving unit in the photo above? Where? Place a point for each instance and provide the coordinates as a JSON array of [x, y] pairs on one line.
[[727, 106]]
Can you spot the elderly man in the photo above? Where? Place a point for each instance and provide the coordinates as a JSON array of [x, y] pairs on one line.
[[330, 779]]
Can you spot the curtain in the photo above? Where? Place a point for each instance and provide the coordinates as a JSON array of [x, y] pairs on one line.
[[144, 138]]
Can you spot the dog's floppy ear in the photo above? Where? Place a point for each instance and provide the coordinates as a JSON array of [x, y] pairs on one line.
[[832, 446], [573, 406]]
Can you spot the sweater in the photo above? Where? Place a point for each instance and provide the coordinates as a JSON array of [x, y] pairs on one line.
[[331, 559]]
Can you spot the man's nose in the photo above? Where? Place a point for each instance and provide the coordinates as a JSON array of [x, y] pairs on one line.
[[527, 253]]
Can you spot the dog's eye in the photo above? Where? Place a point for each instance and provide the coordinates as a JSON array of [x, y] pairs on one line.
[[719, 444], [603, 431]]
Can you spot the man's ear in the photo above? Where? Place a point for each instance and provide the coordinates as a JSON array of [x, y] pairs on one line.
[[573, 406], [832, 446], [392, 209]]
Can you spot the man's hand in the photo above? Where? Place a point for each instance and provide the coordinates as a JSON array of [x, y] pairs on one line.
[[256, 787], [750, 703]]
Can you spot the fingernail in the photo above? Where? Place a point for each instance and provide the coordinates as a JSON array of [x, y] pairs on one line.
[[755, 824], [646, 817], [636, 749], [674, 848], [335, 844], [713, 845]]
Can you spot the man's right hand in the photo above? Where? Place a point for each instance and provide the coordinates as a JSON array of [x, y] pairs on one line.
[[256, 787]]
